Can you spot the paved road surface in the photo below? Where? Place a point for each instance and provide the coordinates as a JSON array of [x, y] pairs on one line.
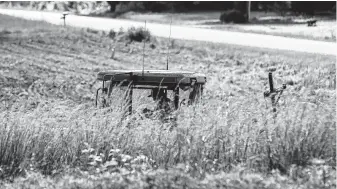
[[185, 32]]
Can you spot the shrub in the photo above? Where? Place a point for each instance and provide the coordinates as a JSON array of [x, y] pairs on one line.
[[89, 30], [234, 16], [138, 34], [4, 32], [124, 7], [112, 34]]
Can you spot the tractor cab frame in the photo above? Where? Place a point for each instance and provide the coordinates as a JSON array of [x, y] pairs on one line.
[[158, 81]]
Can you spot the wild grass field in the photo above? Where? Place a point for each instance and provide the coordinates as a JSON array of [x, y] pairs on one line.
[[52, 136]]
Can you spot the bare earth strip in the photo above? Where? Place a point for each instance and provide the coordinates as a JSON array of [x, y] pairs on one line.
[[184, 32]]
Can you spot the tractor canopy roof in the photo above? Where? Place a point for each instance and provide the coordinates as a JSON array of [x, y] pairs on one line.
[[145, 77]]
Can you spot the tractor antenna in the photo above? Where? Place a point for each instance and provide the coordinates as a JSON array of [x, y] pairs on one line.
[[168, 48], [143, 53]]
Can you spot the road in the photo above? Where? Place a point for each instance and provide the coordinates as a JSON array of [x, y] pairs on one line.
[[184, 32]]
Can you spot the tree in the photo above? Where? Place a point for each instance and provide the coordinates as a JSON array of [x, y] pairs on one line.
[[113, 5], [244, 7], [248, 10]]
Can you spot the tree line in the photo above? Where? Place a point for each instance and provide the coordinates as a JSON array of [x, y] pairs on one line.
[[301, 7]]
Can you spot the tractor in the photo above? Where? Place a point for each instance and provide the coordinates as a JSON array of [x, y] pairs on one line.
[[159, 82]]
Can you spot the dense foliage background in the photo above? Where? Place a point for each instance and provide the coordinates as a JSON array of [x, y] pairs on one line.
[[304, 7]]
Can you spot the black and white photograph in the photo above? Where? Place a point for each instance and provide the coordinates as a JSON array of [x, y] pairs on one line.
[[168, 94]]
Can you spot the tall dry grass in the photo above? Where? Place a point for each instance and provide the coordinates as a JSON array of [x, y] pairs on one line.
[[51, 134]]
